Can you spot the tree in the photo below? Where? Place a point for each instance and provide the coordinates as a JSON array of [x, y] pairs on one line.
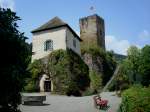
[[133, 60], [144, 68], [14, 61], [134, 69]]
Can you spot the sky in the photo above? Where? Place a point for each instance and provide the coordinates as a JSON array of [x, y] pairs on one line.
[[127, 22]]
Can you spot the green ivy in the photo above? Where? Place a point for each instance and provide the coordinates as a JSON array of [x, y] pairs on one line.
[[96, 81], [68, 71], [107, 59]]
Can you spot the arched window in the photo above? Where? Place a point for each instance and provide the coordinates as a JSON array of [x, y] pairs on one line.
[[48, 45]]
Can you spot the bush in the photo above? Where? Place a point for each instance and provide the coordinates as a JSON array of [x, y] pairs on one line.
[[94, 50], [112, 86], [136, 99], [96, 81], [121, 80], [36, 69], [88, 92], [31, 87]]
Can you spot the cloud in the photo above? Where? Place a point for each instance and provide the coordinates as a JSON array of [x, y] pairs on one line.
[[144, 36], [7, 4], [118, 46]]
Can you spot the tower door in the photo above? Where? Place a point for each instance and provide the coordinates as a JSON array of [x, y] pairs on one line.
[[47, 86]]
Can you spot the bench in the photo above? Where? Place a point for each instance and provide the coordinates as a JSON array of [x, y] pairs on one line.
[[33, 98], [101, 103]]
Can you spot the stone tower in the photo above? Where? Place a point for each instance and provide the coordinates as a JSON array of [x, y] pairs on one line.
[[92, 30]]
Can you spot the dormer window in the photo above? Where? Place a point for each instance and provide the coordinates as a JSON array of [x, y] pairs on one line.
[[48, 45]]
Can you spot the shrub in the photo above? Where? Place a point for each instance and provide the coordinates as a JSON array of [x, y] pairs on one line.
[[121, 80], [96, 81], [36, 69], [112, 86], [94, 50], [136, 99], [31, 87], [109, 66], [89, 91]]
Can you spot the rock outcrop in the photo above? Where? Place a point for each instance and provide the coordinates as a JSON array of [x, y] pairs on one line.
[[94, 63]]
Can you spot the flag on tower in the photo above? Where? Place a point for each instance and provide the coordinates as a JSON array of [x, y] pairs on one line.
[[91, 8]]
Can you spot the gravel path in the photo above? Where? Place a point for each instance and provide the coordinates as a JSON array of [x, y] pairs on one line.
[[57, 103]]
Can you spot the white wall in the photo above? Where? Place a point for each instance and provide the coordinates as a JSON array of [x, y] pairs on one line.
[[57, 35], [70, 38]]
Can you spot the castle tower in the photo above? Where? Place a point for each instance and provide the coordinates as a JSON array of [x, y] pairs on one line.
[[92, 31]]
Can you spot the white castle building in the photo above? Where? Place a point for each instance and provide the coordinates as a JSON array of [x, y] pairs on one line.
[[54, 35]]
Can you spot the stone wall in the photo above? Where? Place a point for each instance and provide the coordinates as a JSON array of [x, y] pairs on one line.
[[94, 63]]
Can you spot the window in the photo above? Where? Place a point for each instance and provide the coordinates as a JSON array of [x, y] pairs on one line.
[[48, 45], [101, 33], [74, 42]]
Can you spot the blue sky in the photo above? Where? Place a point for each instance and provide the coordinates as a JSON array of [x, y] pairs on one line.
[[127, 22]]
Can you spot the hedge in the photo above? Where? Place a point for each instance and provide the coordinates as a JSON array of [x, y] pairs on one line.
[[136, 99]]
